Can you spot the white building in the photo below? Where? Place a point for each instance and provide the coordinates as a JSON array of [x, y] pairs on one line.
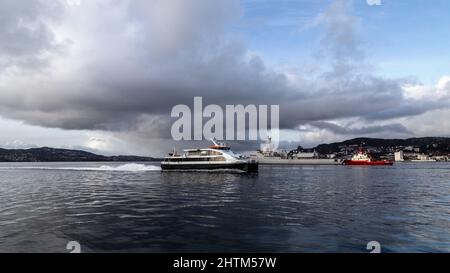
[[399, 156], [423, 157]]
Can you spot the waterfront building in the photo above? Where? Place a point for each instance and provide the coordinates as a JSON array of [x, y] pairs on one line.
[[398, 156]]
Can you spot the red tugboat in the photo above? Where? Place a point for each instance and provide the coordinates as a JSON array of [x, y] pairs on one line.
[[364, 159]]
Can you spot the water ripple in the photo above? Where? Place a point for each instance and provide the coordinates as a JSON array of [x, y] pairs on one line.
[[282, 209]]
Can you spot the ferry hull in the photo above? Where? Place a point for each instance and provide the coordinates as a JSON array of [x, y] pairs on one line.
[[250, 167], [367, 163]]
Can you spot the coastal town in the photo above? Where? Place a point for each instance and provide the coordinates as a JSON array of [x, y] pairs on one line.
[[428, 149]]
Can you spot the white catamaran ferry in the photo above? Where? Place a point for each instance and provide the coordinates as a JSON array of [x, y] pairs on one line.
[[217, 157]]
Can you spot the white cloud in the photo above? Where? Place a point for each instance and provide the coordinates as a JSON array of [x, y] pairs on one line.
[[437, 92]]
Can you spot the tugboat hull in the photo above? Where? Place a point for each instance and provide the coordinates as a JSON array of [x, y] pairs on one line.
[[368, 163]]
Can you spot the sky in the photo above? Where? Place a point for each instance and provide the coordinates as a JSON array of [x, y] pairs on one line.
[[103, 75]]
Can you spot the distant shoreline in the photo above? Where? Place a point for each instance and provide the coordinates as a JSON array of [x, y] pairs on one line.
[[46, 154], [377, 146]]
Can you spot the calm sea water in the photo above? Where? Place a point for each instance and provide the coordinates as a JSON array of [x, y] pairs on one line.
[[136, 208]]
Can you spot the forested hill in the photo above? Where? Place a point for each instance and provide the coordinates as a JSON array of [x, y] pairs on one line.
[[46, 154], [425, 144]]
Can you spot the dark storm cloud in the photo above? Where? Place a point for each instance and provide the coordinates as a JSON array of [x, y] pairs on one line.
[[144, 57], [24, 34]]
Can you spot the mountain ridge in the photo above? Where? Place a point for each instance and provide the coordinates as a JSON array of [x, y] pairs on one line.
[[435, 145], [424, 144], [47, 154]]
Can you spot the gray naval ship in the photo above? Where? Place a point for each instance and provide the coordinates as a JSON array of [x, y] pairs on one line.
[[268, 155]]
